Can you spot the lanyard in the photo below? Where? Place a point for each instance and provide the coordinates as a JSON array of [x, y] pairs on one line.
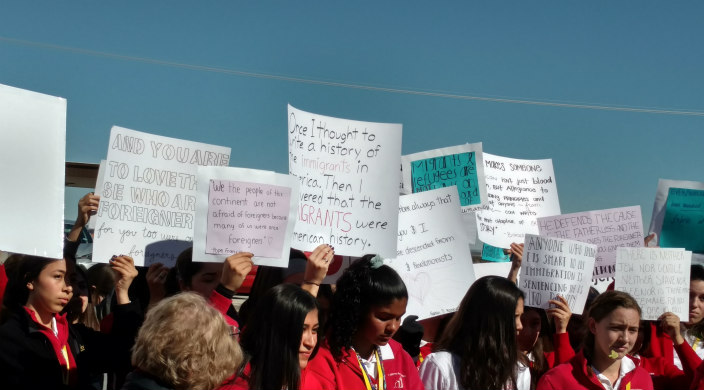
[[381, 382], [695, 344]]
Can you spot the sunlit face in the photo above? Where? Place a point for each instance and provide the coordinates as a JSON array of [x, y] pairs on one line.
[[616, 332], [382, 322], [518, 314], [528, 336], [696, 301], [50, 292], [205, 280], [309, 339]]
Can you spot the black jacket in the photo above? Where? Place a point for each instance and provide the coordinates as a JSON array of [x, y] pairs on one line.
[[28, 361]]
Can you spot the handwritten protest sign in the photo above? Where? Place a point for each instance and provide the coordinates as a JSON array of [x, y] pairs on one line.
[[661, 194], [461, 166], [245, 210], [32, 173], [518, 192], [658, 278], [683, 226], [349, 187], [492, 253], [607, 229], [555, 266], [433, 255], [149, 193]]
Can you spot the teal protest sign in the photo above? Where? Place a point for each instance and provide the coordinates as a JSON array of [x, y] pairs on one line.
[[492, 253], [683, 226]]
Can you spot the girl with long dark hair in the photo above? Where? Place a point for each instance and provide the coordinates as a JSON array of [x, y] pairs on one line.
[[279, 339], [359, 352], [478, 349]]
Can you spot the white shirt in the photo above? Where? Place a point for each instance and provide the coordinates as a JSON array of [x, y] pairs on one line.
[[627, 365], [440, 371], [697, 346], [385, 353]]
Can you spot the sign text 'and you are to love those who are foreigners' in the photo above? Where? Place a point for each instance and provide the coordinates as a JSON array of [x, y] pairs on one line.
[[348, 183], [149, 195]]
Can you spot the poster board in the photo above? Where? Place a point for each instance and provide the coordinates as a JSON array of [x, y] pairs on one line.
[[683, 225], [244, 210], [554, 266], [149, 195], [461, 166], [518, 192], [664, 186], [433, 256], [348, 191], [658, 278], [32, 172], [494, 254], [607, 229]]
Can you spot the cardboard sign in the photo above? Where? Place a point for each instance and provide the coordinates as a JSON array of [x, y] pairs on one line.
[[607, 229], [494, 254], [683, 226], [433, 256], [32, 172], [461, 166], [554, 266], [664, 186], [519, 191], [657, 278], [149, 194], [244, 210], [349, 189]]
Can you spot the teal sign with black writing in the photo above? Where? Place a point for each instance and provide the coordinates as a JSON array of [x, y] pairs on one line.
[[492, 253], [446, 171], [683, 226]]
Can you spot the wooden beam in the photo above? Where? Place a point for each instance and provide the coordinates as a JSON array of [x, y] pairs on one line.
[[82, 175]]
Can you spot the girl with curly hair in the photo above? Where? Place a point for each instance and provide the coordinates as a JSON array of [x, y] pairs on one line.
[[184, 344], [359, 351]]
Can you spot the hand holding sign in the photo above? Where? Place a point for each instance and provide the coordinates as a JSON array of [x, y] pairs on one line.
[[235, 269]]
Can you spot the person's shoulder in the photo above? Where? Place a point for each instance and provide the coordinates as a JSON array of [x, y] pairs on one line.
[[440, 357], [14, 326]]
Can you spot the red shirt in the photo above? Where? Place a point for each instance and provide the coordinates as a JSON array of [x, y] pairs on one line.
[[345, 373], [576, 375]]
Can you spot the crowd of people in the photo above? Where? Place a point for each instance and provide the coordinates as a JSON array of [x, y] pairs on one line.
[[116, 327]]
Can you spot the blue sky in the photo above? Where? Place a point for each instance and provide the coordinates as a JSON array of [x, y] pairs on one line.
[[642, 54]]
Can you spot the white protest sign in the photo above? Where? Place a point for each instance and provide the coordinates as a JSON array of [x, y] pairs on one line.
[[607, 229], [555, 266], [349, 187], [664, 186], [658, 278], [148, 199], [244, 210], [433, 256], [32, 172], [519, 191]]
